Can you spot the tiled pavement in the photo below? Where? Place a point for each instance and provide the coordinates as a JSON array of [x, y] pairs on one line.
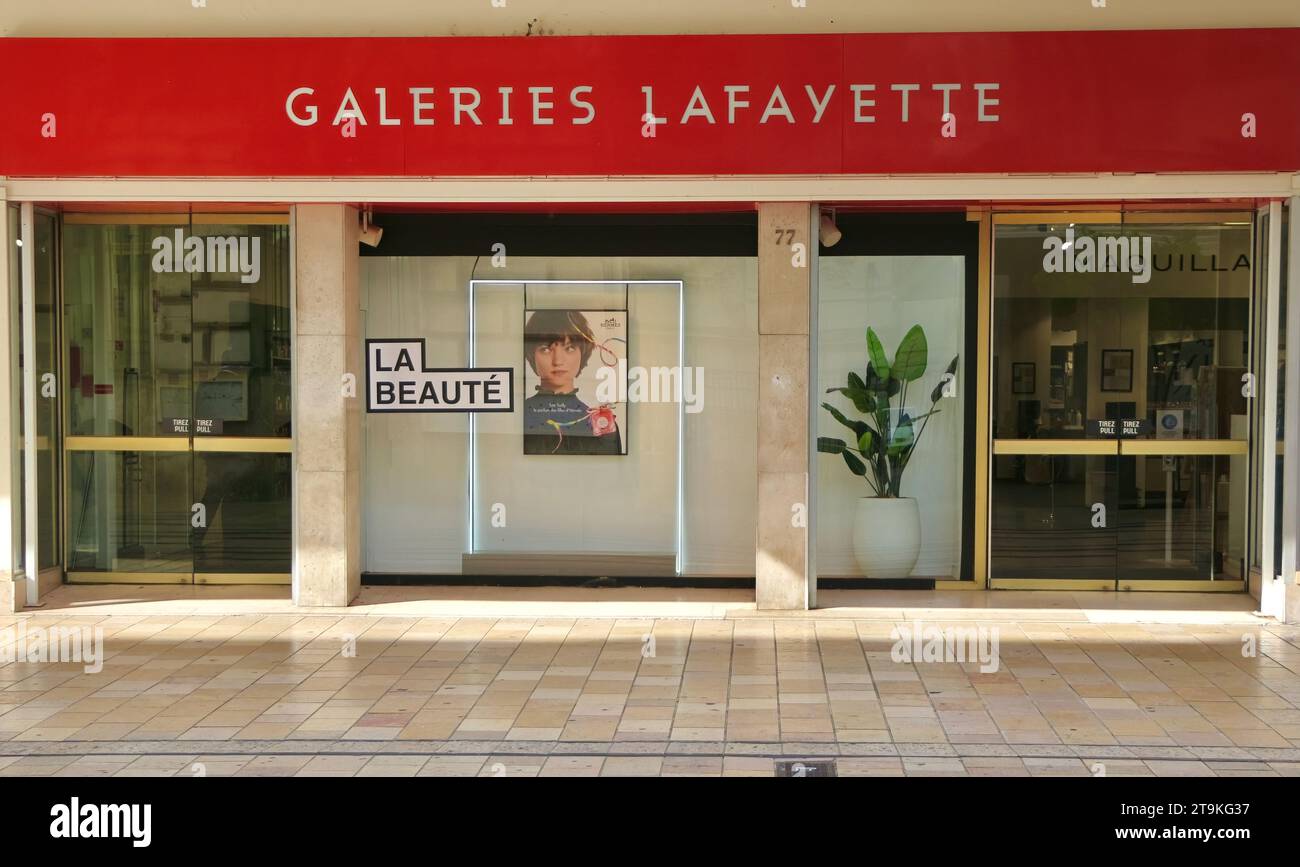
[[281, 694]]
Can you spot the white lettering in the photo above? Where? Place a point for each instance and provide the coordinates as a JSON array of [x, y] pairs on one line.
[[860, 102], [294, 116]]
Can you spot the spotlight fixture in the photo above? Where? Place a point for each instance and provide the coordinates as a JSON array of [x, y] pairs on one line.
[[829, 233], [370, 233]]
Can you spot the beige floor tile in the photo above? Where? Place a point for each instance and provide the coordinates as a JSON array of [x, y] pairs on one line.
[[692, 766], [572, 766], [333, 766], [274, 766], [632, 766], [869, 767], [452, 766]]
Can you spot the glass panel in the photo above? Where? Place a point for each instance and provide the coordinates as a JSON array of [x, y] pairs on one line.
[[127, 326], [246, 498], [13, 299], [1273, 438], [129, 511], [1280, 484], [1288, 226], [891, 295], [1182, 517], [47, 404], [1044, 515], [241, 330], [1146, 322], [416, 514], [1141, 330]]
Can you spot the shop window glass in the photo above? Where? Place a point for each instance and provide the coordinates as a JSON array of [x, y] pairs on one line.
[[561, 504], [894, 507], [1120, 414]]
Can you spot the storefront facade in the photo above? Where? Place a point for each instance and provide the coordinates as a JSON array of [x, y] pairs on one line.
[[860, 310]]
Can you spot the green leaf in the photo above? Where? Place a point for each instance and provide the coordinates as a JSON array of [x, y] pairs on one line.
[[831, 445], [862, 400], [858, 468], [864, 443], [857, 392], [856, 426], [874, 383], [876, 351], [902, 439], [913, 355]]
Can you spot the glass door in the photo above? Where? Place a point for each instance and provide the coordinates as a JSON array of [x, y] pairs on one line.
[[177, 398], [1120, 400], [241, 470]]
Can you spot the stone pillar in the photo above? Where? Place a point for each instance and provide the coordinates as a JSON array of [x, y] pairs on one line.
[[13, 596], [326, 423], [784, 282]]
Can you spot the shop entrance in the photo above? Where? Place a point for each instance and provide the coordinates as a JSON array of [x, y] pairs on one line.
[[1122, 376], [176, 408]]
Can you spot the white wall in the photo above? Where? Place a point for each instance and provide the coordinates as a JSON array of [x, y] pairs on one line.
[[580, 17], [415, 478], [891, 294], [414, 472]]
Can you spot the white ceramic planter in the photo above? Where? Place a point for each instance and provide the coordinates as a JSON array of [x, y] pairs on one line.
[[887, 536]]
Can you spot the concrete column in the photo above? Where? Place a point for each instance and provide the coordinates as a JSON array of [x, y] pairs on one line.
[[12, 595], [784, 282], [326, 423]]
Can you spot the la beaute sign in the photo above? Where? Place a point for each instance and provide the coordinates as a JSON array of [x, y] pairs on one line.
[[819, 104], [398, 381]]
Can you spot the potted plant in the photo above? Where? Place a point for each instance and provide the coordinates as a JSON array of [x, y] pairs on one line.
[[887, 526]]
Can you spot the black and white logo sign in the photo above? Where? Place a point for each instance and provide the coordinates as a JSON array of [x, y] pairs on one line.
[[398, 381]]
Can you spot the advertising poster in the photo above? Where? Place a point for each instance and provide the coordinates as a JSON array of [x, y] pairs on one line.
[[571, 357]]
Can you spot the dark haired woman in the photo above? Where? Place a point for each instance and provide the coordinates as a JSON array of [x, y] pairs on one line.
[[557, 346]]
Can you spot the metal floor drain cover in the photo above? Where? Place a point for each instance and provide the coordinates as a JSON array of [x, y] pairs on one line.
[[806, 768]]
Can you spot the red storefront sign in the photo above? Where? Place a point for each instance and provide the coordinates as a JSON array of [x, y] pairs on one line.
[[1130, 101]]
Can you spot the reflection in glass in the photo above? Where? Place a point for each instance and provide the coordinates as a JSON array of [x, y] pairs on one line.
[[1167, 346], [1045, 514], [129, 512], [246, 499], [1180, 517], [47, 410], [14, 285], [241, 331], [127, 329]]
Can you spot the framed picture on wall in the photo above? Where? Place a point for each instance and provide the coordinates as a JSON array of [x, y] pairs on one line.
[[575, 382], [1023, 377], [1117, 370]]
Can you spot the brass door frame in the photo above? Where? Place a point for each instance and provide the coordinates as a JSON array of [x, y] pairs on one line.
[[163, 444], [987, 447]]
